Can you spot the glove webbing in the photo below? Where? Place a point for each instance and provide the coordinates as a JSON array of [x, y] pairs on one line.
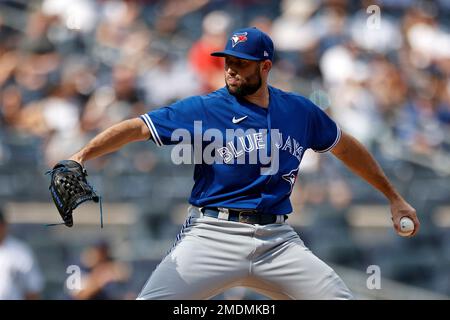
[[99, 200]]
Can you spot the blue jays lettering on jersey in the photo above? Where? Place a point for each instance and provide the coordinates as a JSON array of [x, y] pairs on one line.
[[299, 124]]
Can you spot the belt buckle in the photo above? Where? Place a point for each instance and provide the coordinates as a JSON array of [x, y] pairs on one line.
[[246, 215]]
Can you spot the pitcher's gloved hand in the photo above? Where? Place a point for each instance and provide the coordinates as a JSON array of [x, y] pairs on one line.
[[69, 188]]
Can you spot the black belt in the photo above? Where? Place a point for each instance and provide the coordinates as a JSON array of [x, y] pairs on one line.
[[244, 216]]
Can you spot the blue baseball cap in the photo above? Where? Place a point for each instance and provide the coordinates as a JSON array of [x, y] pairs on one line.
[[249, 44]]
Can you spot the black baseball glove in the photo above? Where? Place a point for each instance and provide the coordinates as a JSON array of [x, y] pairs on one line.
[[69, 188]]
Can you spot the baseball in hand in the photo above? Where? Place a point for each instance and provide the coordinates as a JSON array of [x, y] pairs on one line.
[[406, 226]]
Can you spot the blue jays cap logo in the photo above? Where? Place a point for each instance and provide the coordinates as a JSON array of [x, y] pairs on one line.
[[238, 37]]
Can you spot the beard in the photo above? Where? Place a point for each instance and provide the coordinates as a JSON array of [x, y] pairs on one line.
[[249, 85]]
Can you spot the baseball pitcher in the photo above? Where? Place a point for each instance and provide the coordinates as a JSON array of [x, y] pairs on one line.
[[251, 138]]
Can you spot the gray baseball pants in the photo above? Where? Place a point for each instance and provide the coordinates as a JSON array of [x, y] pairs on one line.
[[212, 255]]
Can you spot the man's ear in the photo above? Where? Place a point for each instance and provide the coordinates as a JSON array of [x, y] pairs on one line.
[[266, 65]]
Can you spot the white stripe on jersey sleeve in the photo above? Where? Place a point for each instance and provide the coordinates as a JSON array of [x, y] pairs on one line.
[[148, 121], [338, 137]]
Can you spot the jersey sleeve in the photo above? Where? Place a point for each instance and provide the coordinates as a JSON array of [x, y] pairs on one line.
[[181, 115], [324, 133]]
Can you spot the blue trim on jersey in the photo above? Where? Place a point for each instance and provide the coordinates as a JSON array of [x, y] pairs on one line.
[[290, 125]]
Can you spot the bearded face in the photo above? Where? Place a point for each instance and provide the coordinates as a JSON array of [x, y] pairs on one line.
[[242, 77]]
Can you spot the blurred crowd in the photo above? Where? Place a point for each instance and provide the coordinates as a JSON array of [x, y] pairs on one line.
[[69, 69]]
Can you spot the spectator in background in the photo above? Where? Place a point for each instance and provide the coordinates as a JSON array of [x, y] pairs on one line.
[[54, 118], [114, 102], [418, 125], [444, 102], [293, 29], [20, 277], [10, 106], [103, 278], [210, 70], [169, 79], [172, 11]]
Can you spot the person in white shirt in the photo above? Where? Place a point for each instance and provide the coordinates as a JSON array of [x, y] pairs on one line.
[[20, 276]]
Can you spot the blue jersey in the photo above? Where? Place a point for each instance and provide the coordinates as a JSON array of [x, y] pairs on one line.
[[287, 128]]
